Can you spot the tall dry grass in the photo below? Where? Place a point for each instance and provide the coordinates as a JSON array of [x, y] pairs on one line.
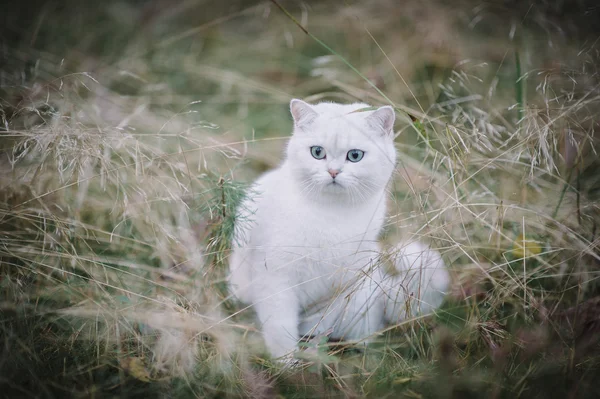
[[130, 133]]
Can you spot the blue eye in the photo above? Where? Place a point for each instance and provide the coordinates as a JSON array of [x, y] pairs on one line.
[[317, 152], [355, 155]]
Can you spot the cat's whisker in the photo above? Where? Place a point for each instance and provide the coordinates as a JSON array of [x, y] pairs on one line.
[[307, 186], [357, 188]]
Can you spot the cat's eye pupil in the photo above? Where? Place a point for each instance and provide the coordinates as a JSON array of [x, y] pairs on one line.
[[317, 152]]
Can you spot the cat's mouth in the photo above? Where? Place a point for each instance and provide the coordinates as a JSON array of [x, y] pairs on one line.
[[335, 184]]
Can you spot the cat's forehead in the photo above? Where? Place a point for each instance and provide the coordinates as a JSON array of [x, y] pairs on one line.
[[344, 126], [333, 109], [340, 127], [340, 137], [342, 133]]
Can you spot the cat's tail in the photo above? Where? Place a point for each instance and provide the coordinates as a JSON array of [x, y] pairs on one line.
[[419, 285]]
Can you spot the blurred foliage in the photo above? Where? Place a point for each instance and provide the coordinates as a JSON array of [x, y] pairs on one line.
[[129, 130]]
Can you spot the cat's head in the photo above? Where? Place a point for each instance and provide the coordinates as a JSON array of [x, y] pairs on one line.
[[340, 151]]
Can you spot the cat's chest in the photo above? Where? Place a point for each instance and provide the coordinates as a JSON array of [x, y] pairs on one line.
[[318, 237], [331, 248], [317, 227]]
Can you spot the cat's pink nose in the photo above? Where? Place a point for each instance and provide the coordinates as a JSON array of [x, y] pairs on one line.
[[334, 172]]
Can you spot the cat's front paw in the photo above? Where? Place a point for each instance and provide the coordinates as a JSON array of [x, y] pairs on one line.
[[289, 362], [280, 344]]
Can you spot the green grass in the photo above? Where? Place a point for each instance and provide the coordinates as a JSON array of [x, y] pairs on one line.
[[128, 133]]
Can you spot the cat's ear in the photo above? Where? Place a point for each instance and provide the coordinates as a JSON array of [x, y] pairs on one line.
[[302, 112], [383, 119]]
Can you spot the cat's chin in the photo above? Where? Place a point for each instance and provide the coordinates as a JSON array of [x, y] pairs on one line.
[[335, 188]]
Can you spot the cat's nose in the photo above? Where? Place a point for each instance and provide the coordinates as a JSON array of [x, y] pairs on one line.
[[334, 172]]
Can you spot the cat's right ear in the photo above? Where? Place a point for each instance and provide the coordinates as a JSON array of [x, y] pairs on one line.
[[303, 113]]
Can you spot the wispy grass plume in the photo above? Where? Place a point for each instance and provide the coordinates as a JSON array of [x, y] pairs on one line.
[[129, 133]]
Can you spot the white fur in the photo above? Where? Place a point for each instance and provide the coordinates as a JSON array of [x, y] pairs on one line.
[[306, 252]]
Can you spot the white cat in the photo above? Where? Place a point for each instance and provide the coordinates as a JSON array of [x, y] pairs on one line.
[[306, 254]]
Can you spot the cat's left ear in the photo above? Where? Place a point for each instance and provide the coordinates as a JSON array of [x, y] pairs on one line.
[[303, 113], [383, 119]]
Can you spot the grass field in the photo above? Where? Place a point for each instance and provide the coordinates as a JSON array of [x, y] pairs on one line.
[[129, 130]]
